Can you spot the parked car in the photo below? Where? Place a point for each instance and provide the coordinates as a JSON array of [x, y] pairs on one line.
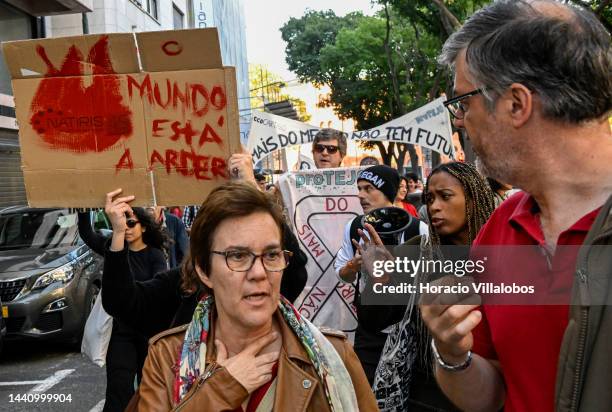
[[49, 278], [2, 325]]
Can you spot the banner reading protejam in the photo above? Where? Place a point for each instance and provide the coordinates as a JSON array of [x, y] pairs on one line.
[[428, 126], [320, 203]]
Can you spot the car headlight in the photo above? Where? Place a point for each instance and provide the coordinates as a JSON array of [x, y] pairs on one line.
[[61, 274]]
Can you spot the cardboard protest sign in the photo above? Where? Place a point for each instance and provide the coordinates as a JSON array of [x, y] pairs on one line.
[[428, 126], [320, 204], [91, 120]]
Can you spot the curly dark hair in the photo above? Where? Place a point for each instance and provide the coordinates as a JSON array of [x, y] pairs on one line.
[[479, 201], [153, 234]]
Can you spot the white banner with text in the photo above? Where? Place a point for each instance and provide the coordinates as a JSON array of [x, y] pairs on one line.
[[428, 126]]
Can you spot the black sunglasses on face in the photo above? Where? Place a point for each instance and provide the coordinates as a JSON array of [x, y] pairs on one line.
[[319, 148], [455, 105], [131, 223]]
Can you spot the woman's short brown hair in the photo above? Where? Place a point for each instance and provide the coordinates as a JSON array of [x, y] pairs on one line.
[[232, 200]]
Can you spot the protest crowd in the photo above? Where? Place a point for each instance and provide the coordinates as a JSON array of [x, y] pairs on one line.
[[213, 304]]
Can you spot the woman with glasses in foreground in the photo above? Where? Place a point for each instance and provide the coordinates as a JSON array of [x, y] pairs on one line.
[[246, 347]]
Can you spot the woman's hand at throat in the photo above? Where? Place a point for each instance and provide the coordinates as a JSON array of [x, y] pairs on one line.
[[249, 368]]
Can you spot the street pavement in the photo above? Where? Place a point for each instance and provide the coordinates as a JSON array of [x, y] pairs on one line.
[[45, 369]]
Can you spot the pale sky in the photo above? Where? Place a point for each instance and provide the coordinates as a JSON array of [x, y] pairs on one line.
[[264, 18]]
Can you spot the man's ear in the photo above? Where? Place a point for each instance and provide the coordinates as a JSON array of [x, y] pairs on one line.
[[521, 104], [204, 277]]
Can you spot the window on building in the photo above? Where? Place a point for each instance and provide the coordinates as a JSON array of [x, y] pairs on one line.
[[152, 8], [15, 25], [178, 17]]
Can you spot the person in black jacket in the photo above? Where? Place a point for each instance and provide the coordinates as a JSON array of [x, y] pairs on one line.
[[127, 348]]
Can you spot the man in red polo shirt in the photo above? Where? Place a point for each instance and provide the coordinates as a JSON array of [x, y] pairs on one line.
[[534, 89]]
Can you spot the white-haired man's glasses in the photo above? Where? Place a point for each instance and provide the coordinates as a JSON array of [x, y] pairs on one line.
[[455, 105]]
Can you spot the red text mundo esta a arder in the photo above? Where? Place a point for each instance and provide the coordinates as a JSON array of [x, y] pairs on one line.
[[190, 102], [74, 112]]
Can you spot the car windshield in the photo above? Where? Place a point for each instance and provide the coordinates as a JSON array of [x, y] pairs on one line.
[[39, 229]]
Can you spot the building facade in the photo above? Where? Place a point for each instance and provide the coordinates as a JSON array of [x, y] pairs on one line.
[[228, 16], [20, 19]]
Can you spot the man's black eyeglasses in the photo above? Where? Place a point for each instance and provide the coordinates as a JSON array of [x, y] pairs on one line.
[[319, 148], [455, 105], [131, 223], [243, 260]]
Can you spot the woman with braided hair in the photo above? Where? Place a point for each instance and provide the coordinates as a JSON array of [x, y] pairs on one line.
[[459, 202], [466, 202]]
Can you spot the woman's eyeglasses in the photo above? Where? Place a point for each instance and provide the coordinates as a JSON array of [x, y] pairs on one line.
[[243, 260], [320, 148], [131, 223]]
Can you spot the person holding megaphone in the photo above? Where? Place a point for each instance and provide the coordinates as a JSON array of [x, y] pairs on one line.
[[378, 186]]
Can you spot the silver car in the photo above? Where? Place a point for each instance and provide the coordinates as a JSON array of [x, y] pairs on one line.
[[49, 278]]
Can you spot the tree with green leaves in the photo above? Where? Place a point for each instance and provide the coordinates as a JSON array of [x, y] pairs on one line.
[[438, 18], [601, 8], [380, 67], [377, 67], [307, 35]]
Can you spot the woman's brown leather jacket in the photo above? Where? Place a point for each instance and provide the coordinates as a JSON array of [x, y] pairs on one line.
[[298, 386]]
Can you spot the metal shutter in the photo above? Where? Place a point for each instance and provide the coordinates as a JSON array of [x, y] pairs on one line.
[[12, 190]]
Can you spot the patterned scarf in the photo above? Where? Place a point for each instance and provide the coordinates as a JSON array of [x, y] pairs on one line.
[[330, 368]]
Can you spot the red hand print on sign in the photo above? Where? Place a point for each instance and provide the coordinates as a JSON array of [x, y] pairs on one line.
[[70, 116]]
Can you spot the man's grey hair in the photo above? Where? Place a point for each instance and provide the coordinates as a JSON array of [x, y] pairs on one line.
[[327, 134], [560, 52]]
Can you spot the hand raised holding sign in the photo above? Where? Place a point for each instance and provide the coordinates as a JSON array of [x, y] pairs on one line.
[[117, 209], [240, 166]]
